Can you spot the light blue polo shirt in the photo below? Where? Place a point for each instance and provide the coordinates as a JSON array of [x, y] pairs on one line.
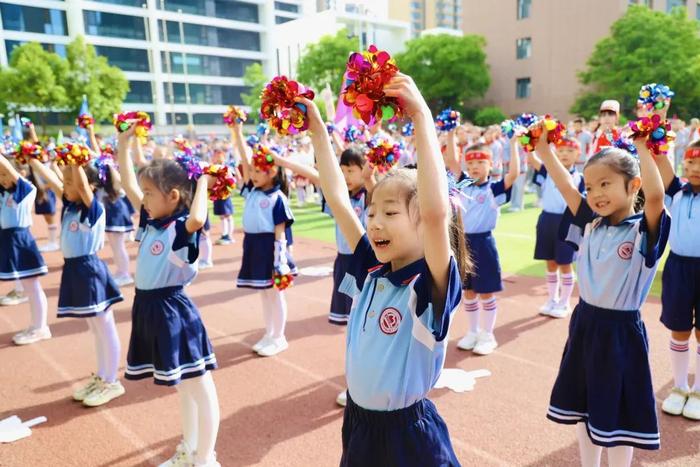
[[552, 200], [358, 202], [167, 254], [16, 205], [684, 206], [82, 228], [481, 205], [264, 209], [616, 264], [395, 345]]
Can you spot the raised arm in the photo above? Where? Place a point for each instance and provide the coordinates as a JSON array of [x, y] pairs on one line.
[[51, 177], [93, 141], [198, 208], [514, 165], [331, 178], [431, 186], [653, 188], [82, 184], [452, 154], [126, 169], [137, 153], [339, 143], [32, 133], [560, 176], [236, 131], [534, 161], [7, 167], [299, 169]]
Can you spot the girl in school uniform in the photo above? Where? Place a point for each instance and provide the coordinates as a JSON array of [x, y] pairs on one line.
[[223, 208], [405, 283], [168, 340], [481, 209], [118, 223], [266, 217], [680, 293], [19, 256], [557, 254], [45, 205], [604, 383], [87, 289]]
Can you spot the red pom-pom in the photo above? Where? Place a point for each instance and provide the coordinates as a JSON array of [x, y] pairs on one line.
[[25, 150], [234, 115], [383, 154], [85, 121], [282, 281], [279, 108], [263, 158], [70, 153], [224, 183]]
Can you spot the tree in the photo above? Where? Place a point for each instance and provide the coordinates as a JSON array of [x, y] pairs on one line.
[[489, 116], [644, 46], [255, 79], [90, 74], [324, 61], [33, 80], [448, 70]]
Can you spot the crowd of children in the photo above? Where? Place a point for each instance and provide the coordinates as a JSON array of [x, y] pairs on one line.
[[412, 244]]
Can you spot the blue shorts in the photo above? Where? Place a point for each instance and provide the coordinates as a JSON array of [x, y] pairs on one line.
[[604, 379], [549, 246], [46, 205], [680, 293], [340, 303], [486, 276], [223, 207], [413, 436], [168, 340], [87, 288]]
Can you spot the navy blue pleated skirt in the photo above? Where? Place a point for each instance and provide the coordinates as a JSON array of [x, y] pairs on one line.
[[87, 288], [413, 436], [19, 256], [118, 216], [47, 205], [486, 276], [258, 263], [168, 340], [223, 207], [340, 302], [604, 379]]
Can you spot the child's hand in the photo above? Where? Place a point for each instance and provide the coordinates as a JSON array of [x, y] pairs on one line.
[[410, 99], [662, 112], [316, 123], [542, 144], [368, 171], [128, 134]]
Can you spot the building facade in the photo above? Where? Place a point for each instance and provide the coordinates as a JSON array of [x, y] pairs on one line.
[[536, 48], [428, 14], [184, 59]]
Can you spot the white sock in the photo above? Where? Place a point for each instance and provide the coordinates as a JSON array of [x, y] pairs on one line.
[[488, 314], [267, 305], [232, 225], [279, 313], [590, 453], [567, 288], [99, 349], [109, 342], [224, 226], [696, 386], [620, 456], [203, 391], [37, 301], [53, 233], [472, 309], [117, 241], [205, 248], [188, 415], [552, 285], [680, 357], [18, 286]]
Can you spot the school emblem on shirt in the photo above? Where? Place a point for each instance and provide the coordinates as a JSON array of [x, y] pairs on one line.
[[625, 250], [8, 203], [265, 203], [157, 248], [480, 199], [358, 211], [389, 321], [73, 226]]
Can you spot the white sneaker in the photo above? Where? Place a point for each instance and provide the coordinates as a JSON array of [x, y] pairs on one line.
[[692, 407], [342, 399], [266, 339], [205, 265], [211, 463], [104, 393], [182, 457], [275, 346], [49, 247], [546, 309], [224, 240], [485, 344], [560, 311], [121, 281], [81, 393], [31, 336], [469, 341], [13, 298]]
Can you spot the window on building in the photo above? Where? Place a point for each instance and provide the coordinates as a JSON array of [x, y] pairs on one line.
[[60, 49], [284, 6], [126, 59], [140, 92], [207, 119], [697, 10], [208, 94], [211, 36], [180, 118], [671, 4], [136, 3], [522, 88], [523, 48], [226, 9], [31, 19], [524, 7], [98, 23], [207, 65], [282, 19]]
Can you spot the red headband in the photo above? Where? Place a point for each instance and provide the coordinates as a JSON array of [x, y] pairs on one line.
[[691, 153], [568, 143], [477, 156]]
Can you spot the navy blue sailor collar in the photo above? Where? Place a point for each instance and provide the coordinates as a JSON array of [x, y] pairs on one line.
[[165, 221], [627, 220], [401, 277]]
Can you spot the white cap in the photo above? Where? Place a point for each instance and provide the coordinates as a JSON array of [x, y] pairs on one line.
[[611, 105]]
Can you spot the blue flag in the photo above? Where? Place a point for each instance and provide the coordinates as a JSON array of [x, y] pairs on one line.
[[82, 131], [17, 130]]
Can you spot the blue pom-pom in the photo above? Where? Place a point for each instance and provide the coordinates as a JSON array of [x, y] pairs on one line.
[[447, 120]]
